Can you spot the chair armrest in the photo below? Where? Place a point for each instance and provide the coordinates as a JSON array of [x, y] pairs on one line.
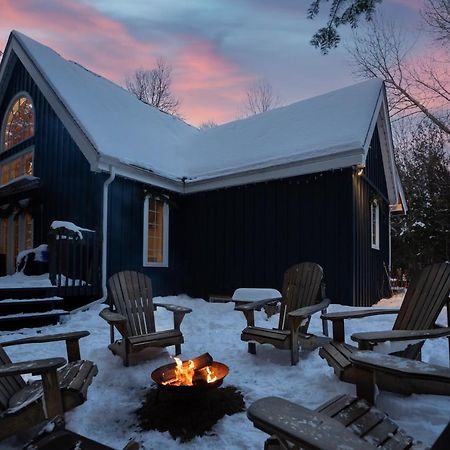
[[400, 366], [173, 308], [301, 426], [309, 310], [112, 317], [35, 367], [47, 338], [399, 335], [358, 314], [251, 306], [338, 318]]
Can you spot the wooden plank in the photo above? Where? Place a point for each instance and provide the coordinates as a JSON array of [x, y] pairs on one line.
[[299, 425], [352, 412], [78, 380], [159, 335], [336, 404], [401, 366], [367, 421], [266, 333], [334, 351], [398, 442], [381, 432]]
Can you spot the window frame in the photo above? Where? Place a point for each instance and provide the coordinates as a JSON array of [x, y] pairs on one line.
[[375, 206], [13, 157], [165, 261], [4, 118]]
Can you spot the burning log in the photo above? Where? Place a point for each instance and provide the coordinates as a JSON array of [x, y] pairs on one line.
[[189, 369], [200, 372]]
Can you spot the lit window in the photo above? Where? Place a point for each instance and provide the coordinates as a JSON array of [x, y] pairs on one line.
[[3, 235], [16, 167], [156, 232], [28, 228], [19, 122], [375, 225]]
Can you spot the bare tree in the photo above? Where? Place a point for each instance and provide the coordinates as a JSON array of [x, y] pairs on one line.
[[381, 51], [437, 17], [207, 125], [154, 87], [260, 98]]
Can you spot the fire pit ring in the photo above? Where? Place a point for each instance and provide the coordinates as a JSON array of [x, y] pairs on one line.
[[162, 376]]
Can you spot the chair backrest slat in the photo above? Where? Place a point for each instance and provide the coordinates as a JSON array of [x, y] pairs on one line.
[[425, 299], [8, 385], [301, 287], [131, 295]]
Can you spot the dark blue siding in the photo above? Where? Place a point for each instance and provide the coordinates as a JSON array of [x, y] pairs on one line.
[[125, 237], [248, 236], [370, 279], [70, 190]]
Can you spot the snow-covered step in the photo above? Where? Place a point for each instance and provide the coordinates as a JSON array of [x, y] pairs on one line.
[[31, 320], [11, 306], [8, 292]]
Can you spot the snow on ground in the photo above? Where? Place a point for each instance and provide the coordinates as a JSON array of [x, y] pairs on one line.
[[116, 392]]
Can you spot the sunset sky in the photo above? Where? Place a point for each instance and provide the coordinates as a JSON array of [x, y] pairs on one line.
[[216, 47]]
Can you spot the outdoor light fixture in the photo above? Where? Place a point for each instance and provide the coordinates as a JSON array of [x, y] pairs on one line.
[[360, 170]]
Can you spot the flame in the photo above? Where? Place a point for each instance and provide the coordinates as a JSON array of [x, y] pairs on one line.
[[185, 373], [210, 377]]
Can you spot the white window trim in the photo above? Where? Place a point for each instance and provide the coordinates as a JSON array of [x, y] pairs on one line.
[[165, 262], [375, 245], [3, 119]]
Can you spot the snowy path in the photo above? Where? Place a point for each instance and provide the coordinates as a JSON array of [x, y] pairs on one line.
[[116, 392]]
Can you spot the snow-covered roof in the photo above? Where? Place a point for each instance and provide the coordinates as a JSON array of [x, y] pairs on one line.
[[330, 124], [113, 128]]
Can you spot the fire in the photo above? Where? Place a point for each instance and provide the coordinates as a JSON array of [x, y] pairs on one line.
[[210, 377], [185, 374]]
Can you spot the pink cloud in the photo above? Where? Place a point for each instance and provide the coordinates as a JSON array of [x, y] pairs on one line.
[[413, 4], [211, 87]]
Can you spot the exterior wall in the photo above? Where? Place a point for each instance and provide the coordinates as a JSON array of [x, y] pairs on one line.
[[125, 237], [248, 236], [370, 280], [70, 190]]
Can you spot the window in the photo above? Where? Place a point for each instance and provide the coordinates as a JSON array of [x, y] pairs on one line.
[[156, 232], [19, 122], [16, 167], [375, 224]]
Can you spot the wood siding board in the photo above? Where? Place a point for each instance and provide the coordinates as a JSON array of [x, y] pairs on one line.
[[370, 281]]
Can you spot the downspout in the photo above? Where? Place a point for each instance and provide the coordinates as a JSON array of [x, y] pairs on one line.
[[109, 180]]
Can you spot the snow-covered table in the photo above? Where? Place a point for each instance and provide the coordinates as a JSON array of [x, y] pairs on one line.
[[248, 295]]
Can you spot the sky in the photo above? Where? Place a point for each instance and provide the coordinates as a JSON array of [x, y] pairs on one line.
[[217, 48]]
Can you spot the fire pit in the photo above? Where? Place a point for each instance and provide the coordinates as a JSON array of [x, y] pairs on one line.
[[191, 386], [192, 376]]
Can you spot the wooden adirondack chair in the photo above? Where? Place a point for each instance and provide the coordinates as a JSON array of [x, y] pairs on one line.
[[131, 312], [415, 323], [343, 422], [303, 295], [24, 405], [56, 437]]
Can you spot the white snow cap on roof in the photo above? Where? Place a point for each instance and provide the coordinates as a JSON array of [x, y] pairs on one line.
[[332, 123], [116, 123], [123, 128]]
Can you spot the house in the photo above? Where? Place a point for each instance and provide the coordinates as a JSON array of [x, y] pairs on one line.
[[200, 212]]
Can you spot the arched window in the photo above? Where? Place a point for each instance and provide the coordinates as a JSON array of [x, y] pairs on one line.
[[18, 124]]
